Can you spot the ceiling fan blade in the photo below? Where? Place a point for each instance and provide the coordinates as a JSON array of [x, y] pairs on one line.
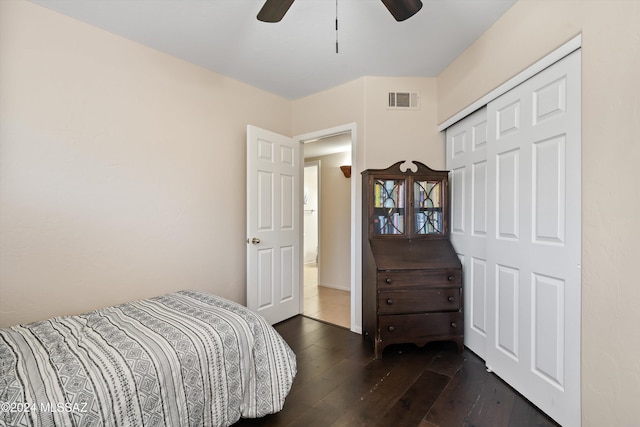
[[274, 10], [403, 9]]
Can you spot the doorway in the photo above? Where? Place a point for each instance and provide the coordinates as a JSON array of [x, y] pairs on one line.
[[327, 229]]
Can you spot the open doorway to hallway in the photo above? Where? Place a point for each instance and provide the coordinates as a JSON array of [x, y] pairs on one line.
[[327, 230]]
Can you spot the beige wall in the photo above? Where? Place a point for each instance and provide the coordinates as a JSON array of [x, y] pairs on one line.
[[122, 169], [610, 153], [394, 135], [335, 222], [384, 135], [310, 214]]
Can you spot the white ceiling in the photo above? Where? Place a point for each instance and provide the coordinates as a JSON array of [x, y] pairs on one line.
[[297, 56], [329, 145]]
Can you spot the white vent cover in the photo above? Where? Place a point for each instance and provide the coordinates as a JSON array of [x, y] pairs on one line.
[[403, 100]]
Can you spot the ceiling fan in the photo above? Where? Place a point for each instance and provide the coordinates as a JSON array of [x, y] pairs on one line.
[[274, 10]]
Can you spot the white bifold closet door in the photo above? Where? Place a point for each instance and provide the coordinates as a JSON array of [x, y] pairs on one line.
[[467, 161], [515, 183]]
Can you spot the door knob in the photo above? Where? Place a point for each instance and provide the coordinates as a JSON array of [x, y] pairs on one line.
[[255, 240]]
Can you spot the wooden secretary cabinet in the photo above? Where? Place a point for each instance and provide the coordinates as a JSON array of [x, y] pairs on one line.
[[412, 277]]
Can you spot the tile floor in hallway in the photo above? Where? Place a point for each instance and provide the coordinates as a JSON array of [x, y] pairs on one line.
[[326, 304]]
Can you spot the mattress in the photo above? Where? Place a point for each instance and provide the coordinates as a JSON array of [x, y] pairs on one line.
[[182, 359]]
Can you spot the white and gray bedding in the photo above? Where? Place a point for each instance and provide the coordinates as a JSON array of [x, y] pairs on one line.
[[182, 359]]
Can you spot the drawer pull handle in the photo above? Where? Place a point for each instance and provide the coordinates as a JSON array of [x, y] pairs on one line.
[[451, 299], [388, 280], [450, 278], [454, 325], [389, 301], [391, 328]]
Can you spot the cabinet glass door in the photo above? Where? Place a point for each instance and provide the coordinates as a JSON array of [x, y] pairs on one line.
[[388, 206], [428, 216]]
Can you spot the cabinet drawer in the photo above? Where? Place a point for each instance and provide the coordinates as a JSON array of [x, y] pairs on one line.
[[387, 279], [418, 300], [417, 327]]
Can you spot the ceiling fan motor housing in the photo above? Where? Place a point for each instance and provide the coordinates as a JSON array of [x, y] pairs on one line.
[[274, 10]]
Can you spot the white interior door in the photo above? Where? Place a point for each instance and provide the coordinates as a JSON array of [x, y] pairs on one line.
[[516, 225], [467, 161], [534, 240], [274, 186]]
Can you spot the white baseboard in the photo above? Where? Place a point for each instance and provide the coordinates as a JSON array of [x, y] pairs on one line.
[[340, 288]]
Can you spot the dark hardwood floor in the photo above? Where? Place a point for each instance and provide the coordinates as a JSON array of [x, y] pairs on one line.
[[340, 384]]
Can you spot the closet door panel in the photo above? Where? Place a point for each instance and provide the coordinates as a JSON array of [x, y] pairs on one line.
[[533, 241], [508, 195], [477, 301], [466, 159], [515, 168], [549, 190], [507, 313], [479, 198], [548, 329], [457, 183]]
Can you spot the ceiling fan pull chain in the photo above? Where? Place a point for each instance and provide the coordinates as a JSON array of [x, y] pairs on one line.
[[336, 26]]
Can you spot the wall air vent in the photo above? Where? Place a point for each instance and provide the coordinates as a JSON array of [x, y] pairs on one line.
[[403, 101]]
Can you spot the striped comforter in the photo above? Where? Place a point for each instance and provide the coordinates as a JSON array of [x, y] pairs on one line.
[[182, 359]]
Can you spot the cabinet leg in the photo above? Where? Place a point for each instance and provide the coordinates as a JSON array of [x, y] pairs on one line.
[[378, 351]]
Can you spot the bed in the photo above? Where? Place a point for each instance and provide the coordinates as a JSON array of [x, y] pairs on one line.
[[183, 359]]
